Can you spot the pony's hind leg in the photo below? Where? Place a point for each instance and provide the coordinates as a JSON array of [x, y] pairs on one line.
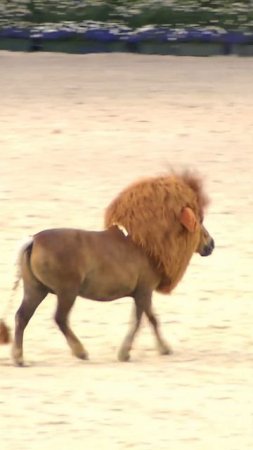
[[33, 296], [65, 301]]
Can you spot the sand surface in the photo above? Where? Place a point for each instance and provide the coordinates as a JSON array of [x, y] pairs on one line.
[[74, 130]]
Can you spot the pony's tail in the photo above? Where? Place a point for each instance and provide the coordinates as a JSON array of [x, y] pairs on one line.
[[5, 333]]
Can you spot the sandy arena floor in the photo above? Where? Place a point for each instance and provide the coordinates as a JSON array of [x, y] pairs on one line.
[[74, 130]]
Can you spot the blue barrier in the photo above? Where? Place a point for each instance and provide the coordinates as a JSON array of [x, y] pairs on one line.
[[103, 34], [108, 34], [15, 33], [53, 35]]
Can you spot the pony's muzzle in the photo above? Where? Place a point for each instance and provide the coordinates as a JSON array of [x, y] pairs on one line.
[[208, 248]]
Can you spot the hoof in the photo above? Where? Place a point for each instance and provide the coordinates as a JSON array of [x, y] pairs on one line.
[[17, 356], [78, 350], [19, 363], [83, 355], [165, 350], [123, 356]]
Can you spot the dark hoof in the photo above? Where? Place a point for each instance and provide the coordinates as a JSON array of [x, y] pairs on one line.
[[166, 351], [123, 356], [18, 360], [19, 364], [83, 356]]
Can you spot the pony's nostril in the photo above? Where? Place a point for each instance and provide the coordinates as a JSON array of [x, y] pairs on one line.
[[208, 248]]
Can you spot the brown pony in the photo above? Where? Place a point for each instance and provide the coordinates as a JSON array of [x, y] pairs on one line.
[[153, 228]]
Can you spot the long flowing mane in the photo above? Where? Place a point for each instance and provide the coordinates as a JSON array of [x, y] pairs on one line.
[[149, 209]]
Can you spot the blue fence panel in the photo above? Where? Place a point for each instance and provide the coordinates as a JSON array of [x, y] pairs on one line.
[[114, 33]]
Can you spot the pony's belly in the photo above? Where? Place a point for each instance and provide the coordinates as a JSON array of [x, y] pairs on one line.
[[105, 294], [106, 288]]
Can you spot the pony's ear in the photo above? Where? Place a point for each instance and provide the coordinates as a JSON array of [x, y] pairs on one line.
[[188, 219]]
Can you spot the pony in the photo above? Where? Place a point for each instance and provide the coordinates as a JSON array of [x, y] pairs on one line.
[[152, 229]]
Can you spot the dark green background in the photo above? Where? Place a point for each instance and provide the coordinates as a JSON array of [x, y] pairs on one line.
[[225, 14]]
